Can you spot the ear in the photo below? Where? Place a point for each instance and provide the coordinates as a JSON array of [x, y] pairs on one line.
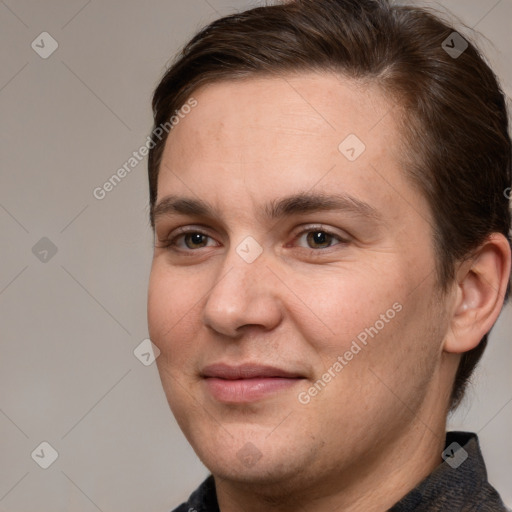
[[481, 284]]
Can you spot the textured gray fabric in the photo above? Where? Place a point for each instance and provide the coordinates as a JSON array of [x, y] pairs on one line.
[[463, 488]]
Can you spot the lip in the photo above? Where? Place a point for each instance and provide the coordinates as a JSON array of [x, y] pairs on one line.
[[247, 382], [246, 371]]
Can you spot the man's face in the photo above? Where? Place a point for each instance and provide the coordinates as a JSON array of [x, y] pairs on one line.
[[296, 342]]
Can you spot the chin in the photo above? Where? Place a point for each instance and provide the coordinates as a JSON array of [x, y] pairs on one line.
[[268, 473], [249, 457]]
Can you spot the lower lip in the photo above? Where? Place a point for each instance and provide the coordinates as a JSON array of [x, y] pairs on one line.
[[247, 390]]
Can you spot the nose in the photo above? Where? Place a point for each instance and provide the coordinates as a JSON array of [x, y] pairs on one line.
[[245, 294]]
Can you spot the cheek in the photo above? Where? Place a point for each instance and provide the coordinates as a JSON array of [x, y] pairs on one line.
[[170, 309], [373, 380], [159, 298], [337, 306], [379, 322]]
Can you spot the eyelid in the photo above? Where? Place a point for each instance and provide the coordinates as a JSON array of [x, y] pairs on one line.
[[325, 229], [189, 228], [170, 240]]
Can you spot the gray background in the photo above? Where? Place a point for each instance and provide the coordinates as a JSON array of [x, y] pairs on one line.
[[70, 323]]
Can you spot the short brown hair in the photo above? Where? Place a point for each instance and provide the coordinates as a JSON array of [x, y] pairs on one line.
[[454, 115]]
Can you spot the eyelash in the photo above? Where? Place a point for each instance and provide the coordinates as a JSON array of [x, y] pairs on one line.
[[171, 242]]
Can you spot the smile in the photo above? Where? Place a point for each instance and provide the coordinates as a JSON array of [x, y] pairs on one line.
[[247, 383]]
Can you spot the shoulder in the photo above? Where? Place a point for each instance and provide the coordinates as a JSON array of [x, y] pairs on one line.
[[184, 507], [203, 499], [458, 483]]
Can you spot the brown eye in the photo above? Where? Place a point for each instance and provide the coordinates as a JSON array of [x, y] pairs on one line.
[[195, 240], [187, 241], [319, 239]]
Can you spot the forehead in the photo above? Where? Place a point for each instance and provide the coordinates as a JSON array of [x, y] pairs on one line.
[[268, 136], [307, 105]]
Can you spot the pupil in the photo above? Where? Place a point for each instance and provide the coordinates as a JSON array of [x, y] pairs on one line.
[[319, 237], [196, 239]]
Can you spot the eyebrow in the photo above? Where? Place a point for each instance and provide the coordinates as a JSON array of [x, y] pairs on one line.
[[300, 203]]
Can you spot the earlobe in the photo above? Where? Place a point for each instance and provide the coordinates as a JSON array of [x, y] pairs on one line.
[[481, 285]]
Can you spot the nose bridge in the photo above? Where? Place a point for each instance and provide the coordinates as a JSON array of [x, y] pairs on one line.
[[244, 267], [244, 292], [244, 274]]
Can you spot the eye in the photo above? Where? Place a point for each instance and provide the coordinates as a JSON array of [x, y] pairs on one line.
[[319, 238], [187, 240]]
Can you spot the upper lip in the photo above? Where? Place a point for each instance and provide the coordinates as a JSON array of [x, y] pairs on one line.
[[246, 371]]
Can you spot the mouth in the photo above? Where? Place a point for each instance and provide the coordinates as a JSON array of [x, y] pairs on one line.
[[248, 382]]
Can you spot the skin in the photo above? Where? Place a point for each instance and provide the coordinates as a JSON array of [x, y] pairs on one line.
[[378, 427]]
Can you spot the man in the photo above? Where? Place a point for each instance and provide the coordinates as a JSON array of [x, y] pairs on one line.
[[331, 251]]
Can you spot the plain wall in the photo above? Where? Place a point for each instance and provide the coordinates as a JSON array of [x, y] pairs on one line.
[[69, 324]]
